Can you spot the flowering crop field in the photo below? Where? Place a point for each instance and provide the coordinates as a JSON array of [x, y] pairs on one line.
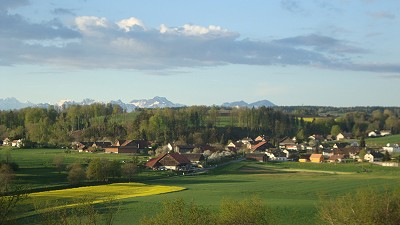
[[97, 194], [101, 192]]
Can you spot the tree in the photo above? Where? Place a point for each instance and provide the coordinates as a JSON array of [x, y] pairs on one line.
[[247, 211], [6, 177], [8, 202], [58, 162], [366, 206], [76, 174], [103, 169], [129, 170], [386, 157], [335, 130]]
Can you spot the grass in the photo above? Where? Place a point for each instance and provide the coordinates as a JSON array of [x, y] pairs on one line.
[[291, 189], [382, 141], [37, 171]]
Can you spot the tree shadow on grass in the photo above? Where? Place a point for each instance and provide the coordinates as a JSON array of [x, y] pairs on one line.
[[193, 180]]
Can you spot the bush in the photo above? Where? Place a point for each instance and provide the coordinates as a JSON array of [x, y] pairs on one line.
[[366, 206]]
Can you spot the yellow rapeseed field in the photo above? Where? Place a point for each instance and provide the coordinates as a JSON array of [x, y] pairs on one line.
[[117, 190], [101, 193]]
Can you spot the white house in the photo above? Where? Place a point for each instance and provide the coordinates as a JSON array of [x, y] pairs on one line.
[[391, 148], [16, 143], [373, 157]]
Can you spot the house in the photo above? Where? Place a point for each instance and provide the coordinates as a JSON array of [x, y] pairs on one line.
[[261, 138], [246, 140], [184, 148], [336, 158], [316, 137], [240, 145], [304, 158], [260, 157], [374, 133], [391, 148], [377, 133], [17, 143], [342, 136], [6, 142], [128, 146], [286, 142], [373, 156], [261, 146], [316, 158], [195, 157], [340, 145], [349, 152], [172, 161], [291, 155], [277, 156], [385, 132]]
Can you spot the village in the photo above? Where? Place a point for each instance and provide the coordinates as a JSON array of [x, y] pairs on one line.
[[342, 148]]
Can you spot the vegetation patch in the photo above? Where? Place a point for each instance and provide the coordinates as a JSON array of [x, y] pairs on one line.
[[100, 193]]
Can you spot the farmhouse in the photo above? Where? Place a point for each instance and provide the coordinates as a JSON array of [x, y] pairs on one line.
[[128, 146], [336, 158], [171, 161], [284, 143], [184, 148], [260, 157], [316, 158], [261, 146], [194, 157]]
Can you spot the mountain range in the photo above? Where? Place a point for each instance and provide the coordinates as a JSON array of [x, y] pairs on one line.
[[240, 104], [156, 102]]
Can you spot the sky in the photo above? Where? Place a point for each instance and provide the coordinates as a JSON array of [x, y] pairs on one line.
[[290, 52]]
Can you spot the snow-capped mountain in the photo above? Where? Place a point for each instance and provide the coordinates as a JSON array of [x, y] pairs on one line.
[[156, 102], [13, 103], [240, 104]]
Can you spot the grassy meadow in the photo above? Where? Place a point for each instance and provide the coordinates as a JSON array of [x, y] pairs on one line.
[[291, 189], [382, 141]]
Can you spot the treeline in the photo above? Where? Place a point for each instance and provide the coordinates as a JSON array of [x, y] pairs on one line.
[[196, 124], [356, 123], [191, 125]]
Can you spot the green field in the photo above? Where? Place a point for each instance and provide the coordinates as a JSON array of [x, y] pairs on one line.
[[291, 189], [382, 141]]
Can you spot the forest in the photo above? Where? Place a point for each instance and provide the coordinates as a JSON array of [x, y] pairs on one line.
[[50, 127]]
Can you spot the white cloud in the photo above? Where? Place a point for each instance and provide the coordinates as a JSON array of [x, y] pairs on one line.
[[128, 24], [87, 23]]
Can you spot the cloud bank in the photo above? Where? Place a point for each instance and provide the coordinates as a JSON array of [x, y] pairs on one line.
[[95, 42]]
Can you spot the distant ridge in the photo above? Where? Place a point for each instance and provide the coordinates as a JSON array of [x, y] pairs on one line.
[[243, 104], [156, 102]]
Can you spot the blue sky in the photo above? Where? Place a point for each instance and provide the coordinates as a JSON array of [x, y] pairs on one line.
[[291, 52]]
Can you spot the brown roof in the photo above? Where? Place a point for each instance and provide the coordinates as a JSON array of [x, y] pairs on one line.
[[347, 150], [336, 157], [194, 156], [180, 159], [258, 145]]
